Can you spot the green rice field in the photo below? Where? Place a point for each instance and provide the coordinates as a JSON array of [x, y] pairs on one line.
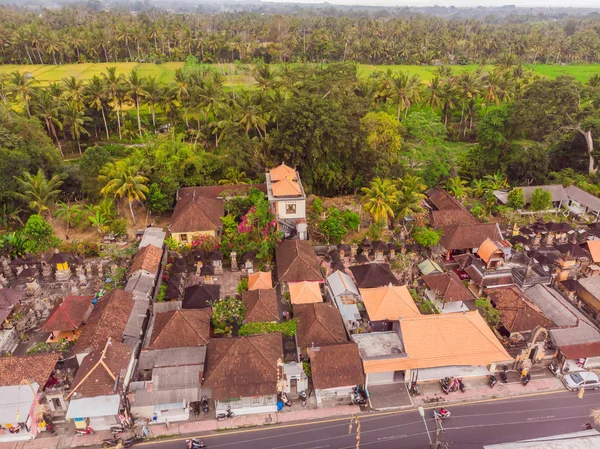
[[239, 74]]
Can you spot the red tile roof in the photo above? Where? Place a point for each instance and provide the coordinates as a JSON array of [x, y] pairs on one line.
[[180, 329], [517, 313], [68, 315], [448, 287], [195, 214], [147, 259], [336, 366], [32, 368], [319, 324], [296, 261], [464, 237]]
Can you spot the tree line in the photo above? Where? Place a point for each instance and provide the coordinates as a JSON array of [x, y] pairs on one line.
[[79, 34]]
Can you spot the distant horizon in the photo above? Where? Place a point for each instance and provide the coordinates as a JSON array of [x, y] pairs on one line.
[[449, 3]]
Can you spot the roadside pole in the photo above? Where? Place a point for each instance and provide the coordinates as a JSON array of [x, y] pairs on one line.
[[422, 413]]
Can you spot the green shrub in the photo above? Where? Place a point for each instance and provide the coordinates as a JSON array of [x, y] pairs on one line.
[[162, 291], [516, 198], [287, 328], [118, 227], [540, 200], [242, 286], [426, 237], [489, 314]]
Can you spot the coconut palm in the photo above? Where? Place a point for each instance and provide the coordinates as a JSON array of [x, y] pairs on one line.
[[74, 89], [75, 119], [21, 87], [235, 176], [152, 95], [379, 199], [250, 114], [70, 214], [409, 197], [114, 85], [404, 90], [135, 90], [96, 98], [124, 180], [49, 109], [37, 191], [266, 77]]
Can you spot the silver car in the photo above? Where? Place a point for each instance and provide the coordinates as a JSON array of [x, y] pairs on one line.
[[585, 379]]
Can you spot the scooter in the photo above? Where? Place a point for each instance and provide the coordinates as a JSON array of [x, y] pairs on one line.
[[204, 403], [503, 374], [439, 415], [445, 385], [195, 443], [227, 415], [117, 428], [87, 431], [132, 440], [461, 385], [493, 381], [303, 398], [111, 442], [554, 369], [525, 379]]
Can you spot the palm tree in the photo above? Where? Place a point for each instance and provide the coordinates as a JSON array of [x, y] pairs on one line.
[[266, 77], [379, 199], [594, 81], [135, 90], [404, 90], [409, 196], [96, 97], [114, 83], [496, 181], [74, 89], [124, 180], [182, 92], [75, 119], [37, 191], [251, 115], [468, 87], [69, 214], [457, 187], [235, 176], [49, 109], [22, 88], [434, 92], [152, 94], [479, 187]]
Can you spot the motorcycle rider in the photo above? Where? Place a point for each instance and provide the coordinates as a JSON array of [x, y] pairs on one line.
[[443, 412]]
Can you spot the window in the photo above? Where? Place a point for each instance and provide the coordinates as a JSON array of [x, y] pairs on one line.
[[268, 400], [256, 400], [290, 208], [183, 238]]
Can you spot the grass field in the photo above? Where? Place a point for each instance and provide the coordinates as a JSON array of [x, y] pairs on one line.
[[46, 74]]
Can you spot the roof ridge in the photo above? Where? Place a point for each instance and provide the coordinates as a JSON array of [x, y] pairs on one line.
[[184, 316], [261, 353]]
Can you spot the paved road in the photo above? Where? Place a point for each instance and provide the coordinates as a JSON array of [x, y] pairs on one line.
[[471, 426]]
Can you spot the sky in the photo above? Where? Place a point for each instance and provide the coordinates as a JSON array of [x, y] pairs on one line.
[[459, 3]]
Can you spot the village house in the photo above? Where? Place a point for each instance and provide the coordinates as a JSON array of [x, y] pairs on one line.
[[96, 398], [200, 296], [447, 292], [372, 275], [384, 305], [67, 318], [243, 373], [260, 280], [22, 383], [261, 306], [557, 192], [582, 203], [318, 325], [288, 201], [153, 236], [305, 292], [297, 262], [447, 211], [460, 239], [336, 372], [342, 291], [588, 297]]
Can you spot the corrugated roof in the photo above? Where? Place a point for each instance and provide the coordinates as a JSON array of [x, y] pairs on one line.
[[16, 399], [144, 398], [157, 358], [141, 285], [153, 236], [176, 377], [587, 439], [429, 266], [553, 305], [94, 407], [582, 197], [341, 284], [305, 292], [388, 303], [592, 285]]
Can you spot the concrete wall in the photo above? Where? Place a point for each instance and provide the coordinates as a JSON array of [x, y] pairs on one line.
[[386, 377], [300, 208], [334, 393], [249, 405], [191, 236]]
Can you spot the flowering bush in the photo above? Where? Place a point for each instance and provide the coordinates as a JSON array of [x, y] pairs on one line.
[[206, 243]]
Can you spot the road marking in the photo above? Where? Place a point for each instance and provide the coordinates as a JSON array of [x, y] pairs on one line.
[[363, 417]]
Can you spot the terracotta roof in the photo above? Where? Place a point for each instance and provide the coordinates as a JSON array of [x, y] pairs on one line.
[[99, 370], [242, 367], [68, 314], [109, 318], [336, 366], [261, 305], [372, 275], [194, 214], [200, 296], [319, 325], [517, 313], [218, 191], [450, 339], [286, 187], [388, 303], [594, 249], [305, 292], [451, 217], [260, 280], [296, 261], [487, 249], [32, 368], [448, 287], [180, 329], [147, 259], [469, 236], [282, 171]]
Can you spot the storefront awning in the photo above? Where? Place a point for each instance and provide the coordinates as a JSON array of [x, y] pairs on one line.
[[451, 371], [94, 407]]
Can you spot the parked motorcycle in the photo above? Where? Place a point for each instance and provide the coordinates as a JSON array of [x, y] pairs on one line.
[[112, 442], [195, 443], [227, 415], [414, 389], [504, 374], [204, 403], [87, 431], [303, 398], [445, 386], [461, 385], [132, 440], [441, 414], [493, 381], [525, 379], [117, 428], [554, 369]]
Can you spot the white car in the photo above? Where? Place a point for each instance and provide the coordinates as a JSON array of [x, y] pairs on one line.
[[585, 379]]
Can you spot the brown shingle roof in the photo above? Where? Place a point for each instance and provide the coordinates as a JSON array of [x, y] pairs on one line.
[[296, 261], [443, 201], [260, 280], [319, 324], [448, 287], [99, 370], [10, 297], [336, 366], [469, 236], [147, 259], [261, 305], [180, 329], [194, 214], [371, 275], [68, 314], [244, 366], [108, 319], [451, 217], [517, 313], [31, 368]]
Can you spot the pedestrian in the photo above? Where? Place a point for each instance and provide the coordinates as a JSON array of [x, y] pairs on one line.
[[155, 419]]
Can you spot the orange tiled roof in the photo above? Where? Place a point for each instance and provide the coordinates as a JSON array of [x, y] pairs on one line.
[[487, 249], [305, 292], [286, 187], [450, 339], [260, 280], [388, 303], [594, 247], [281, 172]]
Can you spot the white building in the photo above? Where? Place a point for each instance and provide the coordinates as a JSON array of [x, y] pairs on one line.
[[288, 200]]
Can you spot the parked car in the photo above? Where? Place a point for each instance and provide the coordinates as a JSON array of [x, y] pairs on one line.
[[586, 379]]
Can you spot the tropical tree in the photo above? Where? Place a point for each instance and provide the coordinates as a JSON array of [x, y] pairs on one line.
[[251, 114], [379, 199], [152, 95], [38, 191], [75, 119], [135, 90], [457, 187], [49, 110], [114, 84], [409, 196], [234, 176], [70, 214], [404, 90], [124, 180], [21, 87], [496, 181], [266, 77], [96, 98]]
